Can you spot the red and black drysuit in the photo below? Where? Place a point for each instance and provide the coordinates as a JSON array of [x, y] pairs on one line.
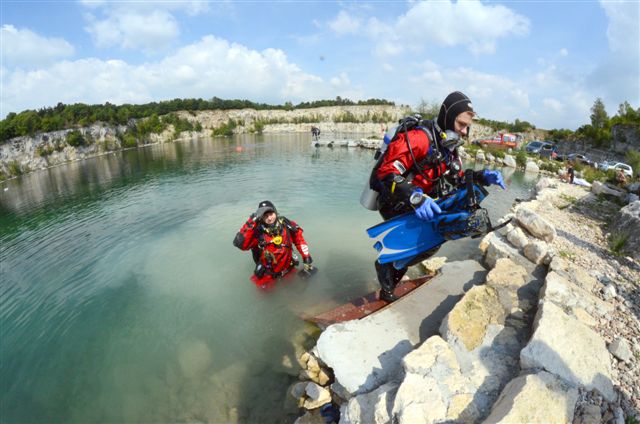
[[427, 165], [272, 245]]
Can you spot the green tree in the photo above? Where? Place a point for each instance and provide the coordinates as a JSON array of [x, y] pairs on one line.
[[428, 109], [599, 117]]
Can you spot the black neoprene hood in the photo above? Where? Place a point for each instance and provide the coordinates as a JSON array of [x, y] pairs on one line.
[[452, 106], [264, 207]]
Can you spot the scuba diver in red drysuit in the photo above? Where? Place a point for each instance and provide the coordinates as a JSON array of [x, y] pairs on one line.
[[420, 164], [271, 238]]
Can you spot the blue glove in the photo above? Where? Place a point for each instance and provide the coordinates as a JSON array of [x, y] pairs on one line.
[[493, 177], [428, 208]]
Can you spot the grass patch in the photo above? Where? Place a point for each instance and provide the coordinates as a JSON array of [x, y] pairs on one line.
[[568, 198], [495, 151], [617, 243], [566, 255], [472, 149], [226, 130]]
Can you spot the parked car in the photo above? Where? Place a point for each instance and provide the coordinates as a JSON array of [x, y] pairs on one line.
[[536, 146], [578, 158], [626, 169], [549, 150]]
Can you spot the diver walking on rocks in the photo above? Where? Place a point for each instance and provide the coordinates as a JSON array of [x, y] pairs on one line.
[[421, 164]]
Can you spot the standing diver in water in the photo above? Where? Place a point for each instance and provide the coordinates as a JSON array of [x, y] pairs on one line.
[[271, 237], [420, 164]]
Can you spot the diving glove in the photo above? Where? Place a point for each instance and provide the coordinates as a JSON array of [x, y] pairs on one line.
[[426, 208], [307, 270], [493, 177]]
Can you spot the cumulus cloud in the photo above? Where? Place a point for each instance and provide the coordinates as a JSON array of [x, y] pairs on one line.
[[618, 75], [210, 67], [470, 24], [149, 32], [25, 48], [553, 105], [344, 23], [148, 26]]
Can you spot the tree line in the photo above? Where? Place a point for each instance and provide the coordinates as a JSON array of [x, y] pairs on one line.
[[60, 117]]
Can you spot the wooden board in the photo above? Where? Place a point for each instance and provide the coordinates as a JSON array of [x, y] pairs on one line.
[[365, 305]]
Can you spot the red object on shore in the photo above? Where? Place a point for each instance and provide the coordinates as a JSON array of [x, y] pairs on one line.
[[505, 140], [365, 305]]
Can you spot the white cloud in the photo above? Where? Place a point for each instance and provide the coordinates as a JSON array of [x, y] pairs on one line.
[[470, 24], [149, 26], [210, 67], [150, 32], [617, 77], [623, 31], [344, 24], [25, 48], [552, 105], [341, 80], [563, 53]]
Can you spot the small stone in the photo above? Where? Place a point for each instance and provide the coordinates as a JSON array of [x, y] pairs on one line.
[[620, 349]]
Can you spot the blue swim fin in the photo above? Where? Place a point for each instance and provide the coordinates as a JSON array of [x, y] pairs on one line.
[[402, 238]]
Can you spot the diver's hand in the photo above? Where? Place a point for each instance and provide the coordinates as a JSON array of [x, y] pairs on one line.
[[493, 177], [307, 269], [426, 208]]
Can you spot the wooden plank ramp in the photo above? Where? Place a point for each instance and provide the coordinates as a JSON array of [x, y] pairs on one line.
[[365, 305]]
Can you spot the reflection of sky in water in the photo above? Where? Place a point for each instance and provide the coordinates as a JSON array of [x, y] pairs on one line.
[[123, 299]]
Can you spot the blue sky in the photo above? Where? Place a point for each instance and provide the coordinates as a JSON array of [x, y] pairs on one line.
[[541, 61]]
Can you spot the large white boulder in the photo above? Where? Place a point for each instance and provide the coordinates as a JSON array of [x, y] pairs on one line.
[[535, 398], [367, 353], [564, 346]]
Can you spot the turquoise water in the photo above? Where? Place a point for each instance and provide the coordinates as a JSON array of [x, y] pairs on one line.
[[122, 298]]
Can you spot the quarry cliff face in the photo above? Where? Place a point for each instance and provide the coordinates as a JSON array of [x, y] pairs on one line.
[[25, 154]]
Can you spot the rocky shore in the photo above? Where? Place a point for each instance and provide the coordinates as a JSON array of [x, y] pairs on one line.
[[545, 328]]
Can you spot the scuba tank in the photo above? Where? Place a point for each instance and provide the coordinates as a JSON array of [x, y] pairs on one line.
[[369, 196]]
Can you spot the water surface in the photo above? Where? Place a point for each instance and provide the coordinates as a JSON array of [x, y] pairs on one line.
[[122, 298]]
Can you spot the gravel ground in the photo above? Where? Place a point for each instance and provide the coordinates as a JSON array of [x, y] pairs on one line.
[[581, 221]]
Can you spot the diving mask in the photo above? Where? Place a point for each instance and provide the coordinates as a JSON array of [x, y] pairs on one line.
[[451, 140]]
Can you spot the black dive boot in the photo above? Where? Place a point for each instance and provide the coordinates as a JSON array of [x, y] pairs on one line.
[[387, 282]]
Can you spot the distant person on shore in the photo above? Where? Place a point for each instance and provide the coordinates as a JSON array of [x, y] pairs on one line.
[[420, 164], [569, 175], [271, 238], [315, 133]]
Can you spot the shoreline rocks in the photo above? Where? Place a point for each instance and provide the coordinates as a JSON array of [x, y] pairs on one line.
[[558, 328]]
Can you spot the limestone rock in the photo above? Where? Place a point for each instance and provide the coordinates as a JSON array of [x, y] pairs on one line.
[[373, 407], [536, 251], [535, 398], [565, 347], [572, 273], [433, 378], [566, 294], [531, 167], [432, 265], [497, 248], [317, 396], [535, 224], [510, 161], [517, 238], [381, 340], [508, 279], [621, 350], [627, 222], [468, 320]]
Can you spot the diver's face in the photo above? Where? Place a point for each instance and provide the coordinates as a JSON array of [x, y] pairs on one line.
[[462, 123], [269, 218]]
